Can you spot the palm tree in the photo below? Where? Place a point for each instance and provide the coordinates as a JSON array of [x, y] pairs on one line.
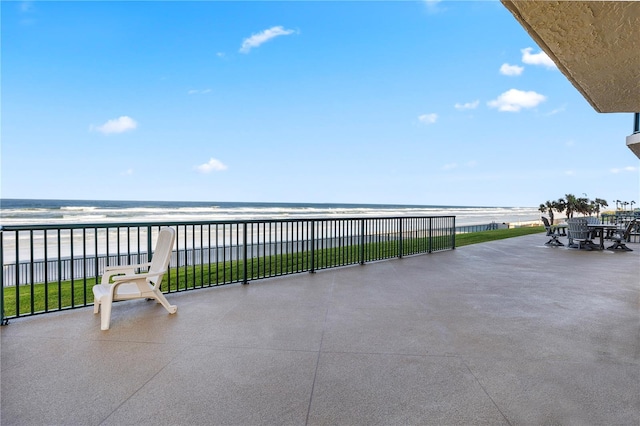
[[560, 205], [599, 202], [570, 203], [549, 206], [583, 206], [542, 209]]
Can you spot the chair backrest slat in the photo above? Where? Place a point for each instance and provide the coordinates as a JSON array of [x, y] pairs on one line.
[[578, 228], [162, 253], [547, 225], [592, 220]]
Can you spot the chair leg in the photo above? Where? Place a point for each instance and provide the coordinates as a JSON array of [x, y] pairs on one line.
[[105, 315], [172, 309], [554, 242], [618, 245], [96, 305]]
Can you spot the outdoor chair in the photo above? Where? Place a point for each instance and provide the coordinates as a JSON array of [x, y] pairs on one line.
[[579, 234], [551, 232], [124, 282], [622, 236], [592, 220]]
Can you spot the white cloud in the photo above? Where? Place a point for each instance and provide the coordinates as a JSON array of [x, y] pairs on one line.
[[514, 100], [266, 35], [540, 58], [468, 105], [428, 118], [211, 166], [570, 172], [117, 125], [511, 70], [624, 169], [127, 172]]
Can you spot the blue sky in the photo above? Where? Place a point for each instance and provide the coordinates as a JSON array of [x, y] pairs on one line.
[[443, 103]]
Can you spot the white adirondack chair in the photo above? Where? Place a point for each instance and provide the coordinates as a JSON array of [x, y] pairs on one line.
[[123, 282]]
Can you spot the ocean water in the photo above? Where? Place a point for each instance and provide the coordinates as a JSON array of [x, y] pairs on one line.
[[37, 212], [25, 245]]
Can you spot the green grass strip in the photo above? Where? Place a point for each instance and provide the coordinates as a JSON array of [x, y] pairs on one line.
[[498, 234]]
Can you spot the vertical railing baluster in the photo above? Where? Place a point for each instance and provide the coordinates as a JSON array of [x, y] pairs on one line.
[[31, 272], [453, 233], [59, 271], [400, 230], [193, 256], [17, 283], [218, 253], [362, 240], [84, 266], [208, 254], [46, 271], [201, 256], [72, 269], [97, 259], [244, 253], [313, 245], [237, 226], [186, 259], [224, 254], [2, 316], [118, 245]]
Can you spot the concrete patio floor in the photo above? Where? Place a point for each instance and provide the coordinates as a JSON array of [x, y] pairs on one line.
[[508, 332]]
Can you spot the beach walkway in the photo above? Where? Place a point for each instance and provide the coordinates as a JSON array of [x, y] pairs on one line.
[[506, 332]]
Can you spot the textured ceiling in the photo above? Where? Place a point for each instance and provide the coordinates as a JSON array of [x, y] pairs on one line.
[[596, 44]]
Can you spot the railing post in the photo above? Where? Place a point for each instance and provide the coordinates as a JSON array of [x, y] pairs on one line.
[[148, 244], [453, 234], [2, 320], [313, 246], [244, 252], [71, 269], [430, 236], [362, 239], [400, 247]]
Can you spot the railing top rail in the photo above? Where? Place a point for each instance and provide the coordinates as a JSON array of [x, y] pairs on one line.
[[42, 227]]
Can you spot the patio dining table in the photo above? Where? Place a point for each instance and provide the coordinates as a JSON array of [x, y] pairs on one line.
[[560, 229], [600, 229]]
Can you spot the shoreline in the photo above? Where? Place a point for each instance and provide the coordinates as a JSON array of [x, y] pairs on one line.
[[61, 212]]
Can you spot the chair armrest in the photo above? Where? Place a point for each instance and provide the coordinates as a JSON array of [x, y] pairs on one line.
[[131, 277], [110, 272], [120, 279], [126, 267]]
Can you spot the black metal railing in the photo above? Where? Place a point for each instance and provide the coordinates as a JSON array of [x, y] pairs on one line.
[[467, 229], [48, 268]]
